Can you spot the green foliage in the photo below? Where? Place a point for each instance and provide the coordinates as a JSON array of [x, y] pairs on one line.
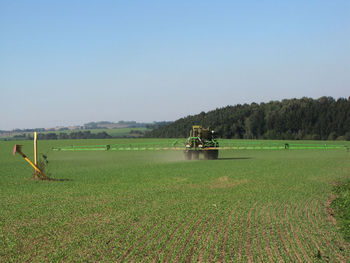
[[152, 206], [305, 118], [43, 167], [341, 205]]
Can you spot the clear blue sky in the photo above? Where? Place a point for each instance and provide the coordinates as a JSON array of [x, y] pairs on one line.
[[71, 62]]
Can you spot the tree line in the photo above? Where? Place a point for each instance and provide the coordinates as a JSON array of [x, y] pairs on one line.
[[73, 135], [290, 119]]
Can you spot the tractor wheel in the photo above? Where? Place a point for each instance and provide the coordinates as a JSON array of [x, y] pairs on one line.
[[188, 155], [206, 155], [215, 154], [195, 155]]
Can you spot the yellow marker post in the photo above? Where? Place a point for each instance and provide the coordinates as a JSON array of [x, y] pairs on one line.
[[35, 149]]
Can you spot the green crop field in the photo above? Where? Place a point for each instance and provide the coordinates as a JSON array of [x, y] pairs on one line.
[[152, 206]]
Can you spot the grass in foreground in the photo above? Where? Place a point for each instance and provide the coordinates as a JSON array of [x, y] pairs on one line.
[[341, 205], [123, 206]]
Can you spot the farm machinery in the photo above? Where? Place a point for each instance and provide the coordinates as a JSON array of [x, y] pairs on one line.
[[201, 140]]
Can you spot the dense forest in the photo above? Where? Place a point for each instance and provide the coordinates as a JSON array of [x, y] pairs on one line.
[[321, 119]]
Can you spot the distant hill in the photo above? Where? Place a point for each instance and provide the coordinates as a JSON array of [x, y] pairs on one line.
[[113, 125], [305, 118], [91, 130]]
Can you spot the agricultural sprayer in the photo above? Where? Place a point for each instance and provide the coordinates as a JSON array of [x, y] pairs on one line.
[[201, 141]]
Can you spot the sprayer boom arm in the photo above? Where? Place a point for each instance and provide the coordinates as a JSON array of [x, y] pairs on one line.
[[18, 149]]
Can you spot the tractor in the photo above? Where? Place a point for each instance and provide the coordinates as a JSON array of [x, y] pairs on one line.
[[201, 140]]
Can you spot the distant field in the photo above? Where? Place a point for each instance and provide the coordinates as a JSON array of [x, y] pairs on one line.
[[114, 132], [142, 206]]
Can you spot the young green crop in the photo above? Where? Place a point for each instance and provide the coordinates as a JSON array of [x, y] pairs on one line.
[[341, 206], [114, 206]]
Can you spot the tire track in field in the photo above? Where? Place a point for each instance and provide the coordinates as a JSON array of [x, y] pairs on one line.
[[122, 240], [194, 220], [271, 234], [227, 230], [306, 229], [289, 241], [320, 233], [233, 235], [220, 247], [310, 228], [284, 250], [241, 238], [249, 238], [258, 251], [204, 248], [188, 249], [173, 234], [301, 230], [167, 239], [188, 238], [218, 233], [190, 257], [296, 235], [265, 235], [328, 210], [150, 244], [156, 226]]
